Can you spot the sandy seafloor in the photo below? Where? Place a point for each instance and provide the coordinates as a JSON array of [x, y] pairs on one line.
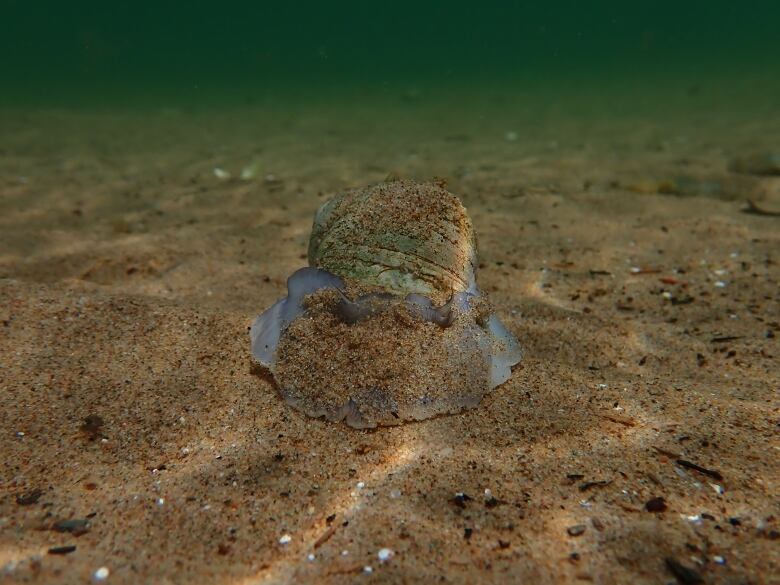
[[613, 243]]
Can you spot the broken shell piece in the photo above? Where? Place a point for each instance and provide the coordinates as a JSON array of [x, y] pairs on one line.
[[250, 171], [221, 174], [387, 324]]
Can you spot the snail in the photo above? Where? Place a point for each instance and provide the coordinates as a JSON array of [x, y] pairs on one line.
[[386, 324]]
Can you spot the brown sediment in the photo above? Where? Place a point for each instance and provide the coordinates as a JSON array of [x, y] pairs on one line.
[[135, 310], [392, 366]]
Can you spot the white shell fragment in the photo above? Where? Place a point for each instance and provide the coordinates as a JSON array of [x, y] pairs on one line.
[[387, 324]]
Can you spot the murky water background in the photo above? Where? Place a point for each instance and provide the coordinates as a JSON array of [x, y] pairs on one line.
[[97, 54]]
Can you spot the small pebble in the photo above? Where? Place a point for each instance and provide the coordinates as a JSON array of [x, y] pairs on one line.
[[285, 539], [384, 554], [77, 526], [311, 556], [657, 504], [720, 284], [576, 530], [160, 501], [221, 173], [101, 574], [62, 550], [360, 485], [718, 489], [719, 559], [368, 569], [29, 498], [395, 494]]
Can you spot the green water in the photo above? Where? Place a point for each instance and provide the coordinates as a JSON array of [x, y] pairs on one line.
[[137, 53]]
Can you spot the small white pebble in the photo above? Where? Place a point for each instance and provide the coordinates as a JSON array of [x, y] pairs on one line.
[[635, 270], [344, 553], [104, 440], [602, 386], [719, 559], [384, 554], [667, 295], [360, 485], [20, 433], [368, 569], [395, 493], [185, 451], [221, 173], [101, 574], [720, 272], [720, 284], [285, 539], [311, 556], [160, 501], [734, 254], [694, 519], [718, 489]]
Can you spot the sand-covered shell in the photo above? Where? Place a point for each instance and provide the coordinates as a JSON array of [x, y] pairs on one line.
[[402, 236], [387, 323]]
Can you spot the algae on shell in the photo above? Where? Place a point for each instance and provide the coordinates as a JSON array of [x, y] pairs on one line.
[[403, 236]]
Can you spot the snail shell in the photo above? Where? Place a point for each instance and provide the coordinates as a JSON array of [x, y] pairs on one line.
[[387, 324], [402, 236]]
